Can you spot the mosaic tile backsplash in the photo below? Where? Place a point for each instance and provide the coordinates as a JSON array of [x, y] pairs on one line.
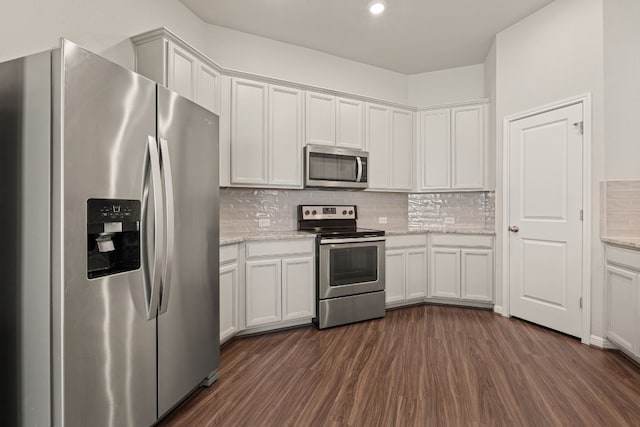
[[621, 208], [242, 208], [452, 210]]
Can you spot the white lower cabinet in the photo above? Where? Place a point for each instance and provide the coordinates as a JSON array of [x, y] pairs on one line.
[[623, 299], [406, 269], [280, 279], [461, 267], [264, 292], [229, 282]]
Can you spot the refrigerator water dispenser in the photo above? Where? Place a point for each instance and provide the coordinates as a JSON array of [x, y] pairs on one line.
[[113, 236]]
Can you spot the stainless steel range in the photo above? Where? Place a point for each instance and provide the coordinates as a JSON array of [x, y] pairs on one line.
[[350, 267]]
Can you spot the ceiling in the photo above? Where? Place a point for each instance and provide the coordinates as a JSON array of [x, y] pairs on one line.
[[411, 36]]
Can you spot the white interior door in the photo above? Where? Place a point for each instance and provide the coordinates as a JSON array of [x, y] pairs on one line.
[[545, 243]]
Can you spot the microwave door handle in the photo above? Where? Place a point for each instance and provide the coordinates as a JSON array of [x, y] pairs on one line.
[[359, 173]]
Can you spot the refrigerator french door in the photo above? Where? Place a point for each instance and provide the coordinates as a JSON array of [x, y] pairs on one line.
[[119, 177]]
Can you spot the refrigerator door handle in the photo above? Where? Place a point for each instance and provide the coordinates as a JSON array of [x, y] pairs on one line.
[[155, 274], [170, 221]]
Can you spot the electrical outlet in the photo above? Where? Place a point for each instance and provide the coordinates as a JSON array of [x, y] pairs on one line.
[[264, 222], [382, 220], [449, 220]]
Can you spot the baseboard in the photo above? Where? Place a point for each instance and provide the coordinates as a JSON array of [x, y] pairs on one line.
[[603, 343], [497, 309]]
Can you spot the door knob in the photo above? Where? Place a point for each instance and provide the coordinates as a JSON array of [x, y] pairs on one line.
[[514, 228]]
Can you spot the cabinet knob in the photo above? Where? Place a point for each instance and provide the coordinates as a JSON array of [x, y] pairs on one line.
[[514, 228]]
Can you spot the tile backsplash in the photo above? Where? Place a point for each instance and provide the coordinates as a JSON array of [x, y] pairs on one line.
[[621, 208], [452, 210], [242, 208]]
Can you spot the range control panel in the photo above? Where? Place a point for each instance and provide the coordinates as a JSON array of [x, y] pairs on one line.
[[313, 212]]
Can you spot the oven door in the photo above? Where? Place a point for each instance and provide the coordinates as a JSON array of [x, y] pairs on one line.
[[350, 266]]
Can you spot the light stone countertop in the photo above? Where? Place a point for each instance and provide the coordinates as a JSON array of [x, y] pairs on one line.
[[404, 231], [628, 242], [239, 237]]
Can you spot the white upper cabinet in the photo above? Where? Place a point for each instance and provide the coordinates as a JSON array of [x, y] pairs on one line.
[[208, 93], [349, 124], [333, 121], [379, 145], [285, 136], [266, 134], [389, 137], [467, 125], [320, 119], [435, 149], [453, 149], [249, 138], [402, 146], [182, 71], [166, 59]]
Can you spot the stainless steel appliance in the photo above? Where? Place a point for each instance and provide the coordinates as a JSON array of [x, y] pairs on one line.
[[110, 190], [350, 265], [333, 167]]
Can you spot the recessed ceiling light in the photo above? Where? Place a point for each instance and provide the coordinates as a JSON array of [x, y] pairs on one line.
[[377, 7]]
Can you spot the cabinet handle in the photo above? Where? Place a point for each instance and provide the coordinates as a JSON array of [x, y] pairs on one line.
[[514, 228]]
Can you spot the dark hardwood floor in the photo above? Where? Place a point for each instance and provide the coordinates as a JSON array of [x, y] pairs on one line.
[[419, 366]]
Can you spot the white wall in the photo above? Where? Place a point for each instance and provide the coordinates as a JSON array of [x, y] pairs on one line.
[[554, 54], [622, 88], [246, 52], [446, 86]]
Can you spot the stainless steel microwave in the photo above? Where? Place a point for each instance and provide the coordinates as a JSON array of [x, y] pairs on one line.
[[331, 167]]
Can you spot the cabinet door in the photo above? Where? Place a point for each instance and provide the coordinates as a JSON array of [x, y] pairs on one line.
[[208, 88], [378, 137], [402, 143], [477, 274], [320, 116], [298, 288], [248, 132], [435, 144], [394, 276], [468, 146], [285, 136], [349, 124], [182, 71], [622, 307], [444, 274], [228, 301], [263, 292], [416, 283]]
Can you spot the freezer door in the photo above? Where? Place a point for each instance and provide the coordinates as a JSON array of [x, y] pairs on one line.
[[108, 355], [188, 330]]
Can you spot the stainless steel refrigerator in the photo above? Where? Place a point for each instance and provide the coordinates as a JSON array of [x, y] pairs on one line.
[[109, 295]]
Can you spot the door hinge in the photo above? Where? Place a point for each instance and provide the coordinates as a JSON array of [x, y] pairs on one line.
[[581, 215], [580, 127], [580, 302]]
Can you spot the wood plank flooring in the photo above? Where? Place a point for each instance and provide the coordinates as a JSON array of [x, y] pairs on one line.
[[420, 366]]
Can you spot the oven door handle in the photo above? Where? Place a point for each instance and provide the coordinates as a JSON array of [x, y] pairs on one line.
[[352, 240]]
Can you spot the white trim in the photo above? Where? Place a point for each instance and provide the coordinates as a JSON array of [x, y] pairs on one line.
[[585, 100], [603, 343], [454, 104], [498, 309]]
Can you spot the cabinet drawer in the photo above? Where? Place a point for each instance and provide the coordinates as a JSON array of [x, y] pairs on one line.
[[625, 257], [462, 240], [406, 241], [228, 253], [279, 248]]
